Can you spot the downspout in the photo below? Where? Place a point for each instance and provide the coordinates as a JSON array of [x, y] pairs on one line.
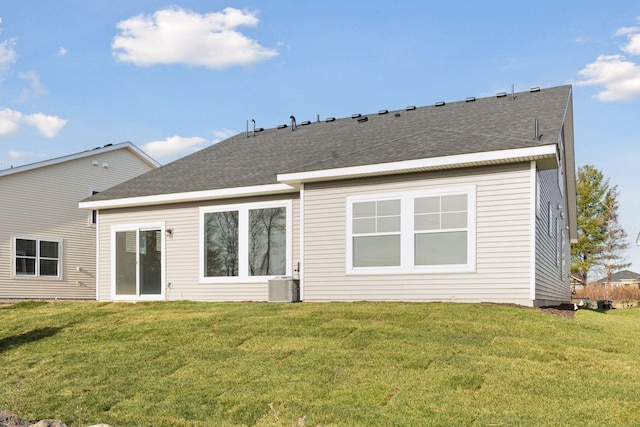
[[97, 272], [301, 254], [533, 240]]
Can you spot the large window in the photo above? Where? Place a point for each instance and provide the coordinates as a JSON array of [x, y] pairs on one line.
[[420, 231], [37, 257], [245, 241]]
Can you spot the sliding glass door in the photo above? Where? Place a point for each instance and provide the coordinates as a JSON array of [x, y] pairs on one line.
[[138, 263]]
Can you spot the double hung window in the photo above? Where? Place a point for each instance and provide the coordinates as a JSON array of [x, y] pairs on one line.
[[37, 257], [412, 232], [245, 241]]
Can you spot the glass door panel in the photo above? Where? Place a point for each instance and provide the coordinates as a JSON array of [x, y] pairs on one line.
[[126, 263], [150, 262]]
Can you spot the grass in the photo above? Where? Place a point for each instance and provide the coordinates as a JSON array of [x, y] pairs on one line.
[[344, 364]]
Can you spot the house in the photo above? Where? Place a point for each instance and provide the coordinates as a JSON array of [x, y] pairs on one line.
[[466, 201], [621, 278], [47, 244]]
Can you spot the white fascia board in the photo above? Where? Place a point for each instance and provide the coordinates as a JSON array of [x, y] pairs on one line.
[[193, 196], [418, 165]]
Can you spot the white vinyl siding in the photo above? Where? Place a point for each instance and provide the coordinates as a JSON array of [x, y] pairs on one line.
[[502, 249], [55, 215], [183, 251]]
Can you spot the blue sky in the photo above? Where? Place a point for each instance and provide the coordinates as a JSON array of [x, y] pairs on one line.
[[176, 77]]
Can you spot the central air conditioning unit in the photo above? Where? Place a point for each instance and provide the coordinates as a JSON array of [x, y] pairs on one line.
[[284, 289]]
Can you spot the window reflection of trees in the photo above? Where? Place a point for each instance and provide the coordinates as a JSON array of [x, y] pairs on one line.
[[221, 244], [267, 235]]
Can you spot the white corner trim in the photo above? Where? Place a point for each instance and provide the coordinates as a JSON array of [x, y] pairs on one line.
[[433, 163], [193, 196]]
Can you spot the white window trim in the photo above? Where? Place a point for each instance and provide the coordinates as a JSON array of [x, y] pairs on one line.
[[90, 223], [137, 227], [407, 233], [37, 275], [243, 251]]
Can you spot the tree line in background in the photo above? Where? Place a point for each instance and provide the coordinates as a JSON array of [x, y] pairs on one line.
[[602, 242]]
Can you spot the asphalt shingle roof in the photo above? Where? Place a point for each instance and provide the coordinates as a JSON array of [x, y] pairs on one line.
[[485, 124]]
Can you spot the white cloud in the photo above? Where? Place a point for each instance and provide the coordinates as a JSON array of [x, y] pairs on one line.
[[61, 51], [176, 35], [36, 89], [173, 147], [8, 55], [9, 121], [19, 154], [619, 75], [48, 126], [223, 134]]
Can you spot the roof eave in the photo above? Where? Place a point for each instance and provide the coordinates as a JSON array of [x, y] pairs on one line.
[[192, 196], [546, 155]]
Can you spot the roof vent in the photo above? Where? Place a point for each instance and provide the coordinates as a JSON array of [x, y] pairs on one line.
[[470, 99], [381, 112], [363, 119], [410, 108], [397, 115], [305, 123], [537, 134], [293, 123], [330, 119], [440, 103], [282, 126], [535, 89], [355, 116], [108, 145], [501, 95], [259, 129]]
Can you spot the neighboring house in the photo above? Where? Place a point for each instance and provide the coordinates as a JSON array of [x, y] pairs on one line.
[[466, 201], [48, 244], [621, 278]]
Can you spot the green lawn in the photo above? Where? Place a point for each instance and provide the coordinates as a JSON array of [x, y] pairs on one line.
[[347, 364]]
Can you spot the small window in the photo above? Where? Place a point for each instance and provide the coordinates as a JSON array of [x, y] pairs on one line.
[[37, 257]]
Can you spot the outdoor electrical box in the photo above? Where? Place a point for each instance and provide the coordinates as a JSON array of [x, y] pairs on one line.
[[284, 289]]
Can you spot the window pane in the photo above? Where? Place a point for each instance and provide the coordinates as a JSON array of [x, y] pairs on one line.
[[364, 225], [125, 263], [454, 220], [388, 207], [457, 202], [267, 241], [388, 224], [49, 267], [26, 266], [221, 244], [426, 222], [48, 249], [25, 247], [364, 209], [150, 262], [426, 205], [376, 251], [441, 248]]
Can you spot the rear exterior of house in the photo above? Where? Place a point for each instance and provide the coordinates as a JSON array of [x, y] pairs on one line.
[[470, 202], [47, 244]]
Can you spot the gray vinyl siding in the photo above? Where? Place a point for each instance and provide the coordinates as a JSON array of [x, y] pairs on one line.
[[43, 203], [552, 277], [182, 250], [503, 248]]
